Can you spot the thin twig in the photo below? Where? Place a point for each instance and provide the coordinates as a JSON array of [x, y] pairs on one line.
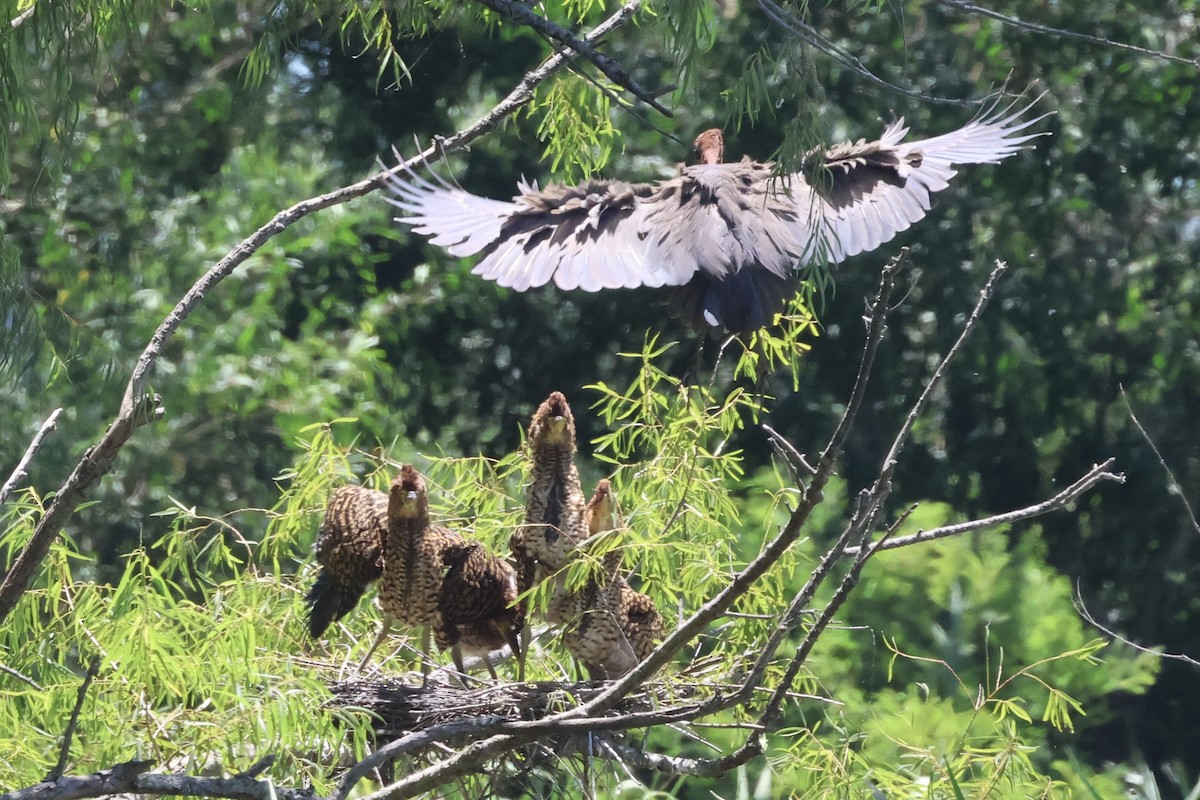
[[1173, 483], [22, 468], [682, 765], [21, 677], [96, 462], [64, 752], [788, 452], [521, 13], [809, 34], [939, 374], [1034, 27], [1088, 618], [1094, 476]]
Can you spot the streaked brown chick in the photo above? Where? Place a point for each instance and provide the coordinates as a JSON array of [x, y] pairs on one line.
[[554, 508], [411, 583], [475, 613], [349, 549]]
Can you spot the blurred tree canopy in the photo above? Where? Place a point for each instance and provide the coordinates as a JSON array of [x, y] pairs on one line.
[[141, 142]]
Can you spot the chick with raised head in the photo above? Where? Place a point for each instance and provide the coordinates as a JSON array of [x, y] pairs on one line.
[[554, 507], [435, 579], [350, 552]]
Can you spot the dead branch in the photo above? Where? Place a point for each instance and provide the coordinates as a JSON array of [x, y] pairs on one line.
[[680, 765], [1089, 619], [22, 468], [1062, 33], [1086, 482], [133, 777], [138, 409]]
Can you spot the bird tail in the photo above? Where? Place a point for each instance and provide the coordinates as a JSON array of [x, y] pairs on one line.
[[739, 303], [328, 601]]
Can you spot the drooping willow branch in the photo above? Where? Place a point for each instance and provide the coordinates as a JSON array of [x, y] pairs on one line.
[[138, 409]]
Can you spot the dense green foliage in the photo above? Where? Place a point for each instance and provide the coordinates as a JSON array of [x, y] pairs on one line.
[[141, 144], [191, 663]]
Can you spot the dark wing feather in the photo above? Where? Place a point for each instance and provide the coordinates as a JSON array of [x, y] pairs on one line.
[[349, 549]]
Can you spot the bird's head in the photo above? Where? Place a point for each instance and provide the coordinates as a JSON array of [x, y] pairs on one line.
[[601, 509], [553, 424], [407, 499], [710, 146]]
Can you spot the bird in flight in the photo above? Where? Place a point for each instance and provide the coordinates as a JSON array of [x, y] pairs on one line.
[[724, 237]]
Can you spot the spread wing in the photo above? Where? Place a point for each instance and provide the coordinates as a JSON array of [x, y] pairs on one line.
[[876, 190], [588, 237]]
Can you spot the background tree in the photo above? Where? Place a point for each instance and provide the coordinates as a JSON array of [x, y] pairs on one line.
[[172, 159]]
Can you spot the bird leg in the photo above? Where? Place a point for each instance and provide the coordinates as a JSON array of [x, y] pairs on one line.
[[384, 628], [456, 654], [487, 662], [522, 649], [425, 656]]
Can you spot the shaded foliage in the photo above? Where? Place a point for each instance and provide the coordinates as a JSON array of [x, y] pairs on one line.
[[143, 161]]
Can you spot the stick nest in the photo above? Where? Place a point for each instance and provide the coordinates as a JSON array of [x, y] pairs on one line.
[[400, 708]]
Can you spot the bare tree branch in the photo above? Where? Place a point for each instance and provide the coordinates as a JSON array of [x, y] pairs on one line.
[[64, 752], [680, 765], [132, 777], [22, 468], [1089, 619], [1096, 475], [521, 13], [971, 8], [138, 409]]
